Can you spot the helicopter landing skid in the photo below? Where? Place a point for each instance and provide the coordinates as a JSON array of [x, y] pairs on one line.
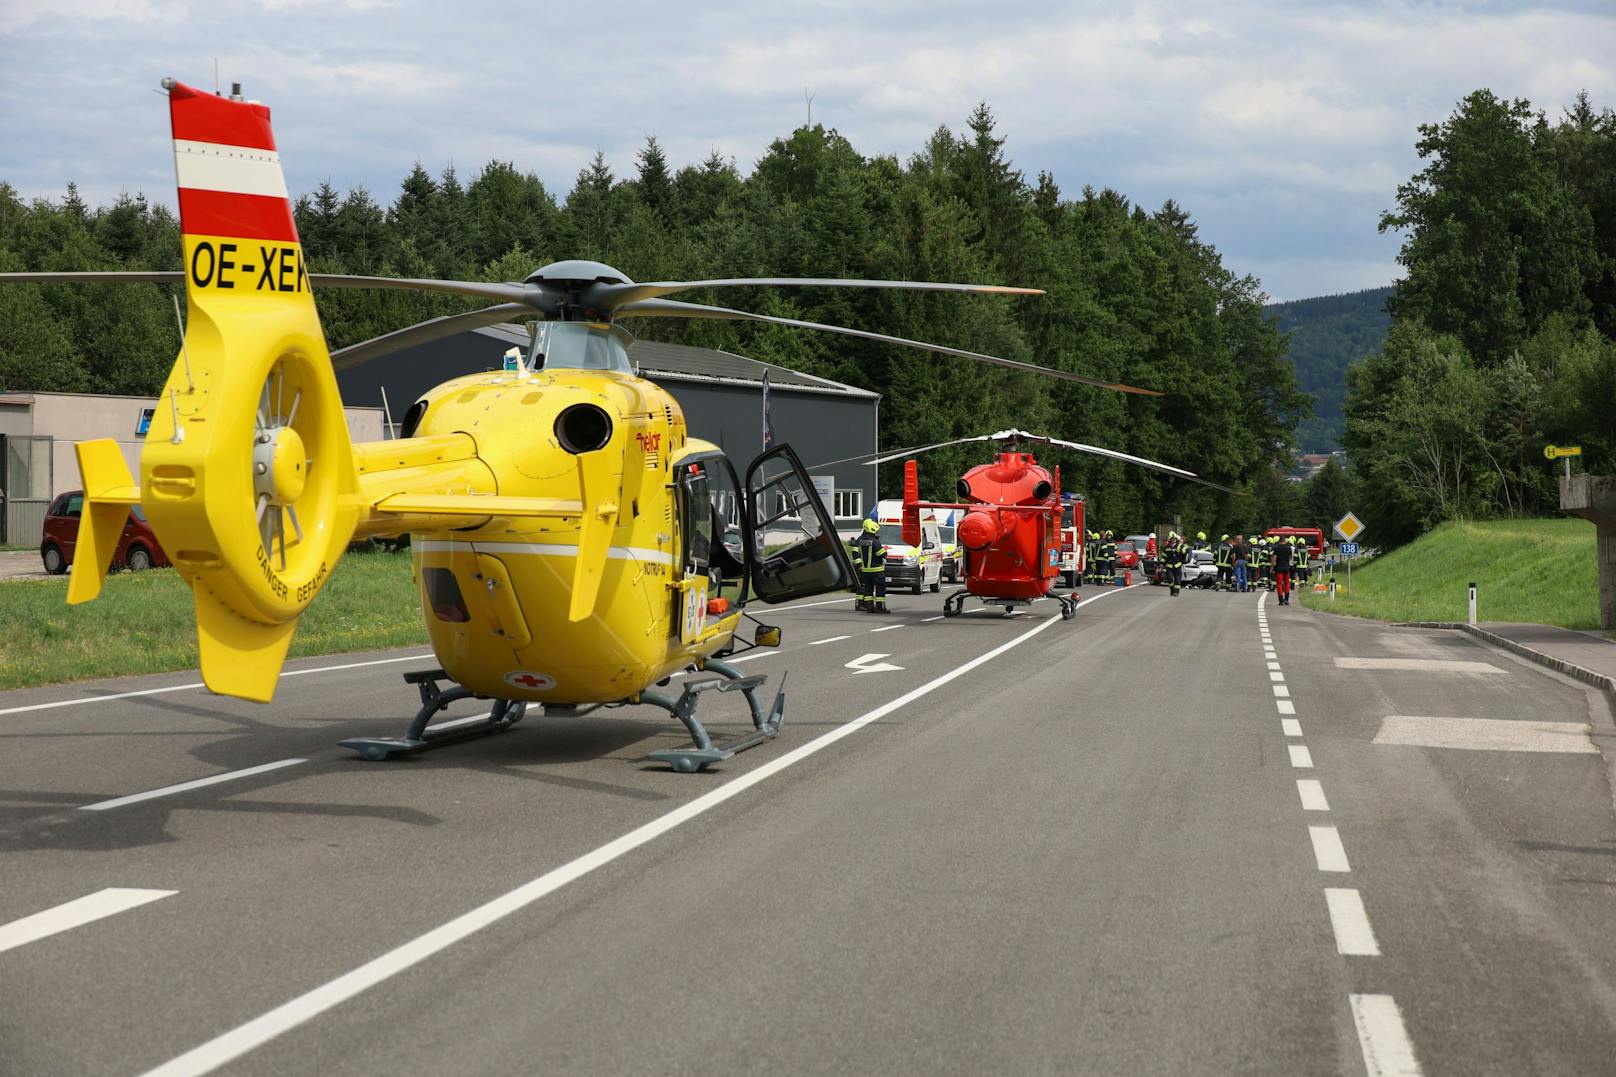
[[954, 604], [683, 707], [504, 714]]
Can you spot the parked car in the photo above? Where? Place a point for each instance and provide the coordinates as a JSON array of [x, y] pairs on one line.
[[137, 550], [1200, 569], [1127, 556]]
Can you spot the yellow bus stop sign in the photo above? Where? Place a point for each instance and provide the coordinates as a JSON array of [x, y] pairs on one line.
[[1554, 452]]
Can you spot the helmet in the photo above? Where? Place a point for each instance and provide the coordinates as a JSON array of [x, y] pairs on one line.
[[1108, 532], [1200, 536], [1172, 534], [1225, 538], [871, 527]]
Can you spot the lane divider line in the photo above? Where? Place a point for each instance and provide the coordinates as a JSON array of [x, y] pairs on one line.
[[1276, 676], [198, 684], [76, 913], [888, 628], [829, 639], [1382, 1037], [1281, 692], [289, 1015], [1301, 758], [1312, 794], [1285, 706], [1353, 935], [185, 787], [1291, 727], [1327, 849]]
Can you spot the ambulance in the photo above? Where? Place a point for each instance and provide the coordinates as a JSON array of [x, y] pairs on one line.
[[908, 566]]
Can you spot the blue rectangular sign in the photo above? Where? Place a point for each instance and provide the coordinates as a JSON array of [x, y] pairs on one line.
[[1348, 549]]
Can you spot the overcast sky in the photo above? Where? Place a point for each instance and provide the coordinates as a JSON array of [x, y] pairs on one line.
[[1284, 128]]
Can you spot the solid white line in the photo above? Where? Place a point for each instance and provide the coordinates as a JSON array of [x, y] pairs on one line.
[[1273, 665], [198, 684], [1353, 935], [1285, 706], [888, 628], [1301, 758], [1312, 794], [1382, 1037], [1327, 848], [807, 605], [1281, 692], [76, 913], [1291, 727], [185, 787], [289, 1015], [1276, 677], [828, 639]]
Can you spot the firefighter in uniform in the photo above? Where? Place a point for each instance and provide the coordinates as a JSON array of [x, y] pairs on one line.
[[1304, 560], [1173, 556], [1108, 557], [1224, 559], [1284, 551], [870, 557]]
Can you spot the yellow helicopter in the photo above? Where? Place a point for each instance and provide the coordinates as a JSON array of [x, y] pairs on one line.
[[570, 539]]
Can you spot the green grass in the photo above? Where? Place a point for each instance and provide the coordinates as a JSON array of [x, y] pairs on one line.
[[143, 622], [1541, 571]]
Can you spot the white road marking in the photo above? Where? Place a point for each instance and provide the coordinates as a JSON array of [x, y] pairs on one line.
[[289, 1015], [1353, 935], [1291, 727], [1285, 706], [76, 913], [1327, 848], [1281, 692], [1420, 665], [888, 628], [1312, 794], [198, 684], [1268, 650], [185, 787], [807, 605], [1301, 758], [1276, 677], [939, 617], [460, 721], [1273, 665], [1384, 1041], [829, 639], [760, 653], [871, 663], [1485, 734]]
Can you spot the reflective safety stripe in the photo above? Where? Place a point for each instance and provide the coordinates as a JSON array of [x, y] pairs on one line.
[[547, 549]]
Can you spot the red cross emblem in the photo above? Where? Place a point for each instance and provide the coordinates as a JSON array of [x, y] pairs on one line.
[[523, 679]]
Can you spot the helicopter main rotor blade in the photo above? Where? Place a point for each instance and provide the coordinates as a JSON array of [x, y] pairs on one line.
[[901, 453], [1140, 460], [120, 276], [529, 294], [671, 308], [426, 332], [619, 295]]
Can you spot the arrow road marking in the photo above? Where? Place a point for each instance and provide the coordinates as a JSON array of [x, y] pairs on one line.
[[871, 663]]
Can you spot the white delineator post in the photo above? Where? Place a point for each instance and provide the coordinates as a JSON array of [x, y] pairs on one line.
[[1472, 602]]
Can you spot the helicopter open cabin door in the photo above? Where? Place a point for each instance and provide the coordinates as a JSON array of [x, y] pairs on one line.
[[795, 551], [696, 527]]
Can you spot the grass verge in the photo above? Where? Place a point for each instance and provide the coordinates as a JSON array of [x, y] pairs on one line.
[[143, 622], [1541, 571]]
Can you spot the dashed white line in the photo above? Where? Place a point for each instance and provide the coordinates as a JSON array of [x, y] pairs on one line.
[[1312, 794], [1273, 665], [198, 684], [1276, 677], [289, 1015], [184, 787], [1285, 706], [828, 639], [76, 913], [1281, 692], [888, 628], [939, 617], [1327, 848], [1382, 1037], [762, 653], [1353, 935], [1301, 758], [1291, 727]]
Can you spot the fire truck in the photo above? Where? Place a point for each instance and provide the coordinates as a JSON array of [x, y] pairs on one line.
[[1072, 535]]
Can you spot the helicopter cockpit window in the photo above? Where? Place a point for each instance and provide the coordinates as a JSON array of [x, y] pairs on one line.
[[577, 346], [697, 512], [799, 552]]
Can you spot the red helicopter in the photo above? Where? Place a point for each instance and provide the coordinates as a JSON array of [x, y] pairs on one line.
[[1011, 524]]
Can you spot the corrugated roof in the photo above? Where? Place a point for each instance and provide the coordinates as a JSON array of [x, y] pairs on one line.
[[680, 362]]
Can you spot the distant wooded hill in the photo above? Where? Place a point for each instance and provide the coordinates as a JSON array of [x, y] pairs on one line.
[[1327, 334]]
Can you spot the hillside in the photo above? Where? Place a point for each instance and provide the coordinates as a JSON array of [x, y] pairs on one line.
[[1327, 334], [1542, 571]]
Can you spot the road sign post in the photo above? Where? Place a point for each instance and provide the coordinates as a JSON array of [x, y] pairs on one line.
[[1349, 527], [1565, 452]]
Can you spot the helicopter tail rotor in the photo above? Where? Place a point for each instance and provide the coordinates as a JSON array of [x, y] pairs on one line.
[[248, 474]]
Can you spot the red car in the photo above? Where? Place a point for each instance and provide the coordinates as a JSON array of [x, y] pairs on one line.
[[1127, 556], [137, 546]]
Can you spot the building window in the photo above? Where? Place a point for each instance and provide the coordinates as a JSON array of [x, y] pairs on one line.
[[849, 504]]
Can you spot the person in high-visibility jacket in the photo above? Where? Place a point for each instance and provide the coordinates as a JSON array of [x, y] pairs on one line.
[[1173, 557], [870, 557], [1304, 561], [1091, 557], [1108, 557], [1224, 559]]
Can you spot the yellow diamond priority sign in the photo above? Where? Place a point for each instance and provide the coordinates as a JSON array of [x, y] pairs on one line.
[[1349, 527]]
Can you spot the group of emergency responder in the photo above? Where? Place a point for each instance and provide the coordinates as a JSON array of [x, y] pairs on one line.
[[1277, 563], [1099, 557]]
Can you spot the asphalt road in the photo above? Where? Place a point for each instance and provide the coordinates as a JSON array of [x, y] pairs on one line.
[[1192, 835]]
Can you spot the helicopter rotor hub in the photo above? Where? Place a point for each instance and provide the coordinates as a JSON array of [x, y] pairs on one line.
[[280, 465]]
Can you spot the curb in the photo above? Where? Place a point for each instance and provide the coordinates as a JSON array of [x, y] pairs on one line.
[[1559, 665]]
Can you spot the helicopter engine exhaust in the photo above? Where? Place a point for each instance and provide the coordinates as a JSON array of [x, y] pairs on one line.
[[582, 428], [980, 529]]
